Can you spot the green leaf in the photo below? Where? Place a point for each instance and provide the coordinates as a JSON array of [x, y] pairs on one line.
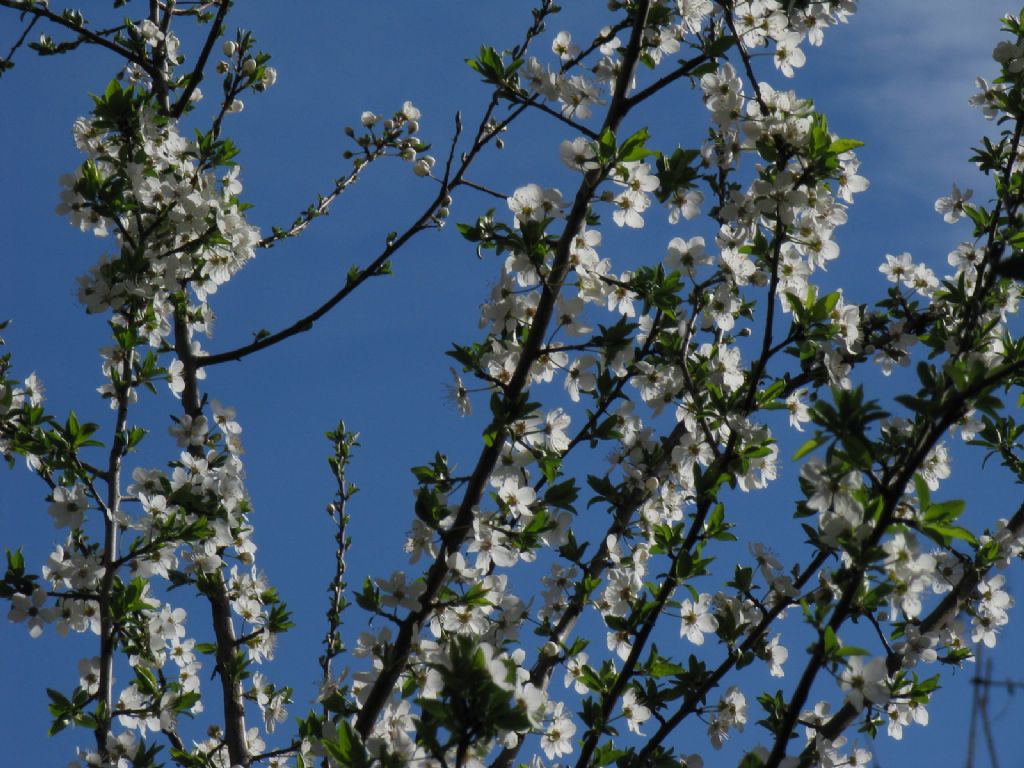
[[852, 650], [719, 46], [944, 534], [549, 464], [662, 667], [831, 643], [606, 146], [924, 496], [347, 748], [944, 511], [61, 708], [633, 148], [134, 437], [839, 146], [562, 495], [807, 447]]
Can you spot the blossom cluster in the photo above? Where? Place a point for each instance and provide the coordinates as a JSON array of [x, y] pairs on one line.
[[175, 221]]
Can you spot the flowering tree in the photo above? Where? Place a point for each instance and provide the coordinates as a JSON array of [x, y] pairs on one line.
[[635, 400]]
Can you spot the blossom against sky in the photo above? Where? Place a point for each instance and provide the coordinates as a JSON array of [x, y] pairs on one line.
[[895, 78]]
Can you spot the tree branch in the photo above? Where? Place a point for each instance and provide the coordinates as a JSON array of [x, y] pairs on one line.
[[213, 586], [462, 525]]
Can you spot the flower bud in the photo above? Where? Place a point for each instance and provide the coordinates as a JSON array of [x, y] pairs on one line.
[[249, 67], [230, 47], [423, 166]]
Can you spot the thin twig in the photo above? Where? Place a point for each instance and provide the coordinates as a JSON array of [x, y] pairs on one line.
[[197, 72], [14, 48], [85, 35]]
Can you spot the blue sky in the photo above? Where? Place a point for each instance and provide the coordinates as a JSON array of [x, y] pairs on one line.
[[895, 78]]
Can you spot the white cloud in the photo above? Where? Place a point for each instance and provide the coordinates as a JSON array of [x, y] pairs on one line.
[[898, 77]]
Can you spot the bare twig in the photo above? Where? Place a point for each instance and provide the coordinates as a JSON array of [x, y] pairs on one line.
[[85, 35], [7, 61], [344, 441]]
